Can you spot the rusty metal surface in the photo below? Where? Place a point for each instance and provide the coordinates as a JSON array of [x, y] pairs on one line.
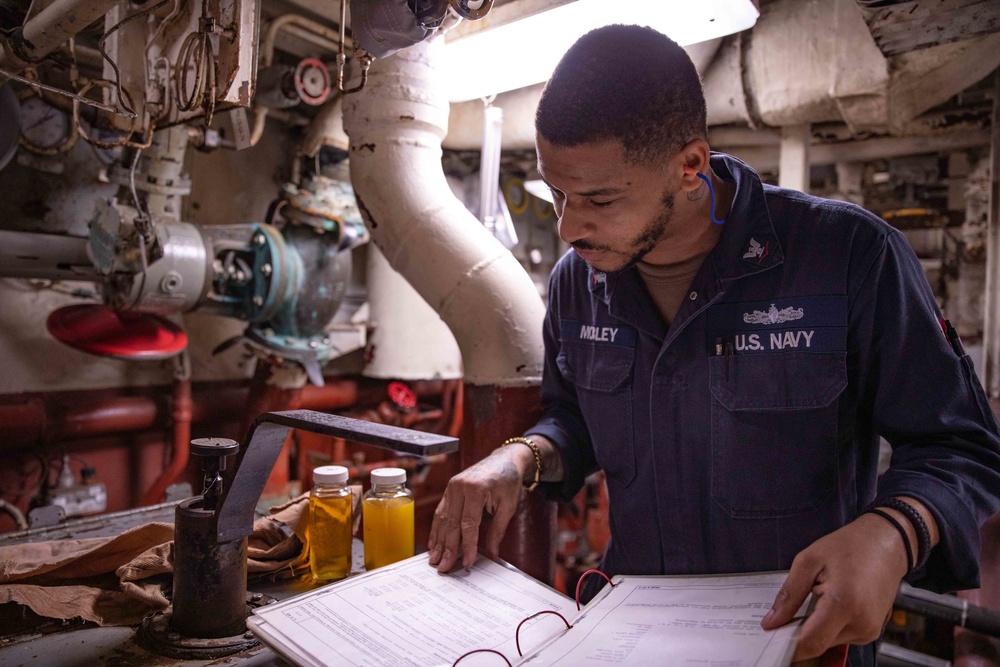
[[37, 642], [906, 25], [210, 576], [106, 525], [114, 647]]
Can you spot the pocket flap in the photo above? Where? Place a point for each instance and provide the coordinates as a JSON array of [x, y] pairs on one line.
[[786, 381], [603, 368]]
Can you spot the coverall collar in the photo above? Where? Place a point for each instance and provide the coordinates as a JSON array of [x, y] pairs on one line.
[[748, 245]]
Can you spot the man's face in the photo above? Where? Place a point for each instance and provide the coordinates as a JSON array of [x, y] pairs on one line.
[[612, 212]]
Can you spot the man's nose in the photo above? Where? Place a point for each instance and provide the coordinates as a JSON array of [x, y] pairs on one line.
[[573, 225]]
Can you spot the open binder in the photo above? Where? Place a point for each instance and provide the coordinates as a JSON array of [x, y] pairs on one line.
[[407, 614]]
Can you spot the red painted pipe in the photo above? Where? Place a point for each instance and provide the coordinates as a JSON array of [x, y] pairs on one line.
[[23, 421], [37, 419], [122, 415], [182, 410]]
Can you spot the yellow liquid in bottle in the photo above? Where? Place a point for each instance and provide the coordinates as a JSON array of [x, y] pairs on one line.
[[330, 537], [388, 530]]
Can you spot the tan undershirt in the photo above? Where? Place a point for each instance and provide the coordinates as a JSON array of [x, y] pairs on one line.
[[680, 256], [668, 283]]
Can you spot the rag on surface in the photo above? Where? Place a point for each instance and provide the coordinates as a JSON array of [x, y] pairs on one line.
[[118, 580]]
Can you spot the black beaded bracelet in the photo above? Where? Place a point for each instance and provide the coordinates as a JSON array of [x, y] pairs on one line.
[[902, 533], [913, 516]]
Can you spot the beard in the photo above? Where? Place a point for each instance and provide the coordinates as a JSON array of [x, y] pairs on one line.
[[640, 246]]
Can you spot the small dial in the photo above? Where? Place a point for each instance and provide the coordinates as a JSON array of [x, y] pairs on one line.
[[44, 128]]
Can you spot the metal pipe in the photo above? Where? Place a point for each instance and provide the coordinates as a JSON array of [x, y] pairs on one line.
[[267, 46], [15, 513], [948, 608], [52, 27], [793, 168], [477, 287], [182, 409], [46, 256], [35, 420], [991, 326]]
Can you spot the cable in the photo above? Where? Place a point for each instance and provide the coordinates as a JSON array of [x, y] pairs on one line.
[[118, 75]]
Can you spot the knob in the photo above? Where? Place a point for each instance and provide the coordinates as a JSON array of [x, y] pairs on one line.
[[213, 452]]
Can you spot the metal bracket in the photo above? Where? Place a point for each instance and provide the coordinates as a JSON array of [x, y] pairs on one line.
[[234, 518]]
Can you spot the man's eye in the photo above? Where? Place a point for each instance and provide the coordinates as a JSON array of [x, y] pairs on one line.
[[602, 204]]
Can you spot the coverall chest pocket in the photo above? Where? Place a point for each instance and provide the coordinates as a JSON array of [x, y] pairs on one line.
[[774, 431], [603, 379]]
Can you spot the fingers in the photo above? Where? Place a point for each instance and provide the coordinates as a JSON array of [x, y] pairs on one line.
[[498, 527], [437, 531], [450, 534], [823, 628], [797, 586], [471, 519]]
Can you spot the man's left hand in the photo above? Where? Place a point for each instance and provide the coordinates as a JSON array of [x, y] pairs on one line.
[[854, 574]]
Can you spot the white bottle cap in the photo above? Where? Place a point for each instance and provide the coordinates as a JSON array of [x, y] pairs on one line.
[[329, 474], [388, 476]]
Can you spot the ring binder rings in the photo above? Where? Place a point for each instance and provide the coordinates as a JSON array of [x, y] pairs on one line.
[[408, 614]]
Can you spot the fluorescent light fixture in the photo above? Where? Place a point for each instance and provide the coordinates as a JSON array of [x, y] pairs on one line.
[[525, 52]]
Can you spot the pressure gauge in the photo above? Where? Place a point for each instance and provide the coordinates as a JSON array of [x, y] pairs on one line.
[[45, 130]]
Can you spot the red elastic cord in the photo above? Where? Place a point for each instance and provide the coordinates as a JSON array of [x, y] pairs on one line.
[[481, 650], [580, 581], [517, 633]]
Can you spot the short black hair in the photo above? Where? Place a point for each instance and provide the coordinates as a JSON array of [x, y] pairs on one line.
[[627, 83]]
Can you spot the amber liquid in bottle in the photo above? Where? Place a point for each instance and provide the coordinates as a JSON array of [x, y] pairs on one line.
[[329, 532], [388, 518]]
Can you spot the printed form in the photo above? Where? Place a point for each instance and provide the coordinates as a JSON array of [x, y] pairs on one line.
[[703, 621], [408, 615]]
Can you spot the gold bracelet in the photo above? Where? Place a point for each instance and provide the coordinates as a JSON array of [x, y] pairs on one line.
[[534, 450]]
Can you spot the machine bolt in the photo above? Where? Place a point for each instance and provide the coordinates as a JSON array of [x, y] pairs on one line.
[[268, 332], [247, 635], [266, 270], [258, 300], [256, 597], [259, 239], [313, 344]]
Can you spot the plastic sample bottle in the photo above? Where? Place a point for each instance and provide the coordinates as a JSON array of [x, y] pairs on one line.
[[388, 517], [330, 524]]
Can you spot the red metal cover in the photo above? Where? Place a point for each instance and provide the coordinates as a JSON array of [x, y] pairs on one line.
[[99, 330]]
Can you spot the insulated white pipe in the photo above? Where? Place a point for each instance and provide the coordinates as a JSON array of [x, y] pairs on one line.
[[408, 340], [53, 26], [395, 125]]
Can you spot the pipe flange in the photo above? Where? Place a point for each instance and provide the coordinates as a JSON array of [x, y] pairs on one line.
[[156, 635], [463, 8]]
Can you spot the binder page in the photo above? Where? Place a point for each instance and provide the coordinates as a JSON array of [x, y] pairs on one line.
[[710, 621], [407, 614]]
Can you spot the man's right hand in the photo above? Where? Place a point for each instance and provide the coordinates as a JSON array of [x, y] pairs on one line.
[[494, 485]]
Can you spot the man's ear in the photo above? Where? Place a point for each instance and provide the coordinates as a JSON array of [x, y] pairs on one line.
[[694, 160]]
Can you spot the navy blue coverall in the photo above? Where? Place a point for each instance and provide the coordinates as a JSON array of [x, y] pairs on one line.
[[747, 429]]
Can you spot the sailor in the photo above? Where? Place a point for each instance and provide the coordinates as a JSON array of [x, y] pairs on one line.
[[729, 353]]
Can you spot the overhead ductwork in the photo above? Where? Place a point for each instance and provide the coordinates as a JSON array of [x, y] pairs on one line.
[[814, 61], [805, 61], [480, 290]]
